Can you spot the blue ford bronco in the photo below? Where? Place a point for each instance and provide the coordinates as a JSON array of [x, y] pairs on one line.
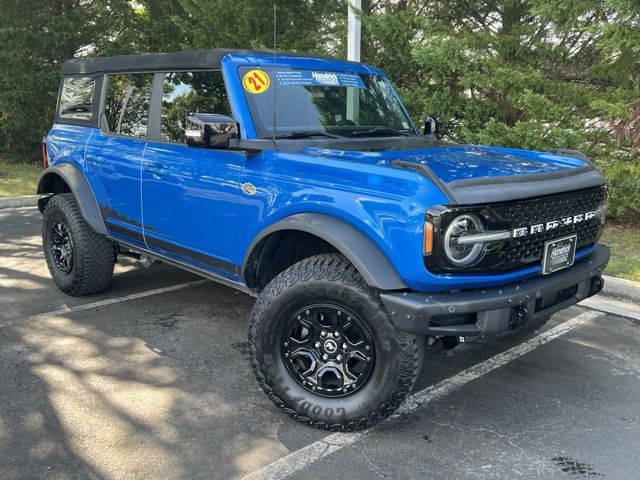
[[302, 180]]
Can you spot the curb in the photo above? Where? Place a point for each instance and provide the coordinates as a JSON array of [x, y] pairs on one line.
[[606, 304], [17, 202], [621, 289]]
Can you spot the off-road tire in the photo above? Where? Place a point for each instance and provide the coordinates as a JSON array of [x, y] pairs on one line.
[[93, 255], [331, 278]]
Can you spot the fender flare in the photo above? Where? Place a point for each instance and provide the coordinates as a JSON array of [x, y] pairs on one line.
[[369, 260], [79, 186]]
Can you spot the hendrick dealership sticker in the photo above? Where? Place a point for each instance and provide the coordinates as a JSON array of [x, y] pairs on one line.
[[559, 254], [256, 81], [288, 78]]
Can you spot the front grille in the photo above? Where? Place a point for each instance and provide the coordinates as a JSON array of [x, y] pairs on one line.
[[530, 248], [554, 207], [526, 250]]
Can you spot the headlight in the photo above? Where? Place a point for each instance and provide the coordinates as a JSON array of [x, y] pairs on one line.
[[463, 254]]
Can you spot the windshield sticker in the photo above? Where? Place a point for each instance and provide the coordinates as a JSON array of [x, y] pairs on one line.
[[288, 78], [256, 81]]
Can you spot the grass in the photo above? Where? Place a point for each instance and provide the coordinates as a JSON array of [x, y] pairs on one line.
[[21, 179], [624, 241], [18, 178]]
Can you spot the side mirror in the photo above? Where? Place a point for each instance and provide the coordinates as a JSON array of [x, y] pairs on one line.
[[210, 130], [432, 126]]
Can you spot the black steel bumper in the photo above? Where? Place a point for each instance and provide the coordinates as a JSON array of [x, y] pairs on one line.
[[485, 315]]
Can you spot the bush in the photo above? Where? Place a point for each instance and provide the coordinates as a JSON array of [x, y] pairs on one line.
[[622, 172]]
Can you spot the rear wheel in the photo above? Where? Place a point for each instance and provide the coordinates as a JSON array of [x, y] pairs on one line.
[[79, 259], [324, 349]]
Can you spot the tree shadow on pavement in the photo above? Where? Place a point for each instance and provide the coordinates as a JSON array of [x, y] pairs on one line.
[[159, 387]]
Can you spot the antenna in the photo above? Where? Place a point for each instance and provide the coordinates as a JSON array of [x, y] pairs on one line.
[[275, 80]]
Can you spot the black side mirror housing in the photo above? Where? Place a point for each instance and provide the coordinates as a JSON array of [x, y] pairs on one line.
[[432, 126], [210, 130]]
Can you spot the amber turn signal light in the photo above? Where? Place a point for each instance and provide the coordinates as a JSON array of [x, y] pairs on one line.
[[428, 238]]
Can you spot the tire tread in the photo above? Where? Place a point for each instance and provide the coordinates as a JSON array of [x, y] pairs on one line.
[[335, 267], [95, 254]]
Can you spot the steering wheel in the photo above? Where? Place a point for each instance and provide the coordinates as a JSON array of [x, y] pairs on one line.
[[345, 122]]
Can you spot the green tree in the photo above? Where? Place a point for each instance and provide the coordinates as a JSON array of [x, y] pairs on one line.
[[536, 74], [37, 37]]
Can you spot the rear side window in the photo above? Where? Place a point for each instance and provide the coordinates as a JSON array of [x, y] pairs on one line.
[[76, 98], [190, 92], [127, 103]]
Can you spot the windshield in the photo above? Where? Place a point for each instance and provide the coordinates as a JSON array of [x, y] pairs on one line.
[[322, 103]]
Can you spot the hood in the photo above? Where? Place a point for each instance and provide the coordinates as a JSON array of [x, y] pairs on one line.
[[450, 164], [473, 174], [462, 162]]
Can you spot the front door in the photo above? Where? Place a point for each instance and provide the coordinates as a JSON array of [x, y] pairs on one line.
[[189, 195]]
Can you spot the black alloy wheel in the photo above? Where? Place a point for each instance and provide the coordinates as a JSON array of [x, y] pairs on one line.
[[328, 350], [62, 246]]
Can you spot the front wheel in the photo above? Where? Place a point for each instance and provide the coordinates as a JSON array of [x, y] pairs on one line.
[[324, 349]]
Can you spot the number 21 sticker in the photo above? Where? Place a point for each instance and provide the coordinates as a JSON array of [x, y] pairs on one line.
[[255, 81]]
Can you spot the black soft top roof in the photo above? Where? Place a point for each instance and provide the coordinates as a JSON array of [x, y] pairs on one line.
[[188, 59]]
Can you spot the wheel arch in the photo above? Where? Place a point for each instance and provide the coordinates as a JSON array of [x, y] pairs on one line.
[[321, 234], [65, 178]]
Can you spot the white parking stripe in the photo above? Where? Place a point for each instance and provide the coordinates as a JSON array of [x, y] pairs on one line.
[[103, 303], [310, 454]]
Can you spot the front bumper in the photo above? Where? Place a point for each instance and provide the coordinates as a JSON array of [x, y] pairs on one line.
[[486, 315]]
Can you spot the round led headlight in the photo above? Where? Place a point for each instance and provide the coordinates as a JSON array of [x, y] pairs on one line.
[[463, 254]]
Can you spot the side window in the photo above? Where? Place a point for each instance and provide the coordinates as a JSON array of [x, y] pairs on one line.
[[127, 104], [76, 98], [190, 92]]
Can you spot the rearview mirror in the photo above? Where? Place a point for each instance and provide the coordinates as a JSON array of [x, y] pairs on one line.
[[432, 126], [210, 130]]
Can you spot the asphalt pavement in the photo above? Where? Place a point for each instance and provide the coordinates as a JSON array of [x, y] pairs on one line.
[[151, 380]]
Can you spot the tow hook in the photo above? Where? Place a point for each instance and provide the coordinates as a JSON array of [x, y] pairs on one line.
[[519, 316], [596, 285]]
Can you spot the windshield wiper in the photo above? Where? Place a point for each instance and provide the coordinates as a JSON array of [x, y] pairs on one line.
[[304, 134], [380, 131]]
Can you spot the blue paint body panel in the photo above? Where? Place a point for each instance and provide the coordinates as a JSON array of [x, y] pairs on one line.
[[187, 204], [189, 197]]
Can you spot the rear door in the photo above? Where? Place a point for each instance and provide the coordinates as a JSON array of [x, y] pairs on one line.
[[189, 195], [113, 159]]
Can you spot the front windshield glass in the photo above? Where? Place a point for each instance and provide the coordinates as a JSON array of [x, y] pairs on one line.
[[322, 103]]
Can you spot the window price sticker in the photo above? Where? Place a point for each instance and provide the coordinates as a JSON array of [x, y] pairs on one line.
[[288, 78]]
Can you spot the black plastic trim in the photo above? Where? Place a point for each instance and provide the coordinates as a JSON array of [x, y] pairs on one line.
[[169, 247], [412, 311], [190, 254], [372, 264], [189, 268], [512, 187], [427, 172], [82, 190]]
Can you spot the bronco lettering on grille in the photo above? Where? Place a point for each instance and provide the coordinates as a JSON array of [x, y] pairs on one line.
[[551, 225]]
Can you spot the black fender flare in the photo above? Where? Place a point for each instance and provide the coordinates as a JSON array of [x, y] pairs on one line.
[[79, 186], [369, 260]]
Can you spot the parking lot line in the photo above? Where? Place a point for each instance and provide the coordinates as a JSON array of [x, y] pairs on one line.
[[102, 303], [306, 456]]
